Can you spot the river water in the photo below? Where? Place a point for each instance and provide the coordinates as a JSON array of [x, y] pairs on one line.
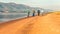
[[11, 16]]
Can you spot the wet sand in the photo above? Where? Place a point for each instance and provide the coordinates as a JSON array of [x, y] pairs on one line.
[[47, 24]]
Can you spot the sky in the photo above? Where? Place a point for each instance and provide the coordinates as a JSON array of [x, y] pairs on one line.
[[47, 4]]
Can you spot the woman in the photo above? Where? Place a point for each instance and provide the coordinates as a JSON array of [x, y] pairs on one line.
[[33, 13]]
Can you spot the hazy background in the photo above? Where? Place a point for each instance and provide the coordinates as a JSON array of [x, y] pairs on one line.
[[47, 4], [15, 9]]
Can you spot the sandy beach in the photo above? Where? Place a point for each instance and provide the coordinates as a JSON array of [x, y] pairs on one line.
[[47, 24]]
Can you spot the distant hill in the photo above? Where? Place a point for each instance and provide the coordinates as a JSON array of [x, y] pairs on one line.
[[13, 7]]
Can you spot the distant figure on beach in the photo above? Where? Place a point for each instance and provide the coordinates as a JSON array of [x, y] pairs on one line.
[[33, 13], [38, 12], [28, 13], [42, 12]]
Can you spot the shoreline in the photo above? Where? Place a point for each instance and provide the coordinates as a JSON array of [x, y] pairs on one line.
[[7, 22]]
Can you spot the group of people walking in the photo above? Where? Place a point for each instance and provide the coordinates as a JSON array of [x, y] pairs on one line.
[[33, 13]]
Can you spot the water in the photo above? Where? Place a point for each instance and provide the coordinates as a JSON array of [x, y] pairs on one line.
[[11, 16]]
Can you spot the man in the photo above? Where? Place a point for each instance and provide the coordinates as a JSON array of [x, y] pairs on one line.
[[28, 13], [38, 12]]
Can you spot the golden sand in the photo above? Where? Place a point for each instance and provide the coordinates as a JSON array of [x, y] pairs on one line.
[[48, 24]]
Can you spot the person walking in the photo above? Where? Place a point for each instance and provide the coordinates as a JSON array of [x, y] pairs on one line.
[[28, 13], [38, 12], [33, 13]]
